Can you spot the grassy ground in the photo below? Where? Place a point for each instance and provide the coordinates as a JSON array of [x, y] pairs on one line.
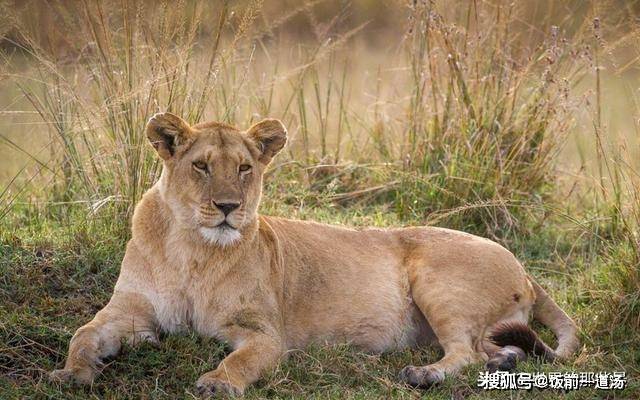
[[56, 275], [463, 123]]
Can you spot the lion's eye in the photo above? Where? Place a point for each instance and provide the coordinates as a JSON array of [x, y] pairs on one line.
[[245, 168], [200, 166]]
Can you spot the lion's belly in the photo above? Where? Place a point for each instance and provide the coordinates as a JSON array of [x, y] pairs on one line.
[[375, 326], [366, 303], [381, 329]]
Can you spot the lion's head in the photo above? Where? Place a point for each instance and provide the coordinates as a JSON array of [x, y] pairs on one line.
[[212, 174]]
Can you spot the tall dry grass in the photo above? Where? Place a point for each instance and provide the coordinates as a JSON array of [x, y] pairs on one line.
[[462, 123], [611, 203], [458, 123], [118, 69]]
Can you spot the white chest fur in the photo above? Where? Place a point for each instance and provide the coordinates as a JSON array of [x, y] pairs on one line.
[[180, 301]]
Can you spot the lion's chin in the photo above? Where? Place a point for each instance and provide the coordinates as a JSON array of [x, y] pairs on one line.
[[220, 235]]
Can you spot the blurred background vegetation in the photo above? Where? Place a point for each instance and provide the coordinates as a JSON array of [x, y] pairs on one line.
[[517, 120]]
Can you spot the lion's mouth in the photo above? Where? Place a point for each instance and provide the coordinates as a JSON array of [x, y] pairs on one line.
[[225, 225], [222, 234]]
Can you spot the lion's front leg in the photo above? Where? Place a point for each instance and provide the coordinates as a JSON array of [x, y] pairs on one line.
[[128, 316], [257, 353]]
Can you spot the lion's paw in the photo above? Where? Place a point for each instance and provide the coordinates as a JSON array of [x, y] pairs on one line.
[[82, 376], [211, 385], [420, 377]]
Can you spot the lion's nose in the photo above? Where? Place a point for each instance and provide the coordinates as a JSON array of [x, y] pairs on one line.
[[226, 208]]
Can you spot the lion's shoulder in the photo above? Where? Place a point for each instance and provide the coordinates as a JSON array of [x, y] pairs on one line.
[[151, 218]]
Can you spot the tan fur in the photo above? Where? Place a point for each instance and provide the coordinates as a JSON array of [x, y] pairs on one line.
[[269, 284]]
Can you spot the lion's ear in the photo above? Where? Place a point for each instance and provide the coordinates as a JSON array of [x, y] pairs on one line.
[[270, 136], [166, 132]]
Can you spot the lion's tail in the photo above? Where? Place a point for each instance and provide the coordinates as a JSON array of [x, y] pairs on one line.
[[547, 312], [520, 335]]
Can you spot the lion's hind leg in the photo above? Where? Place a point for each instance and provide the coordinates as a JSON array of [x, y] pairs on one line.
[[463, 285], [457, 328], [458, 353]]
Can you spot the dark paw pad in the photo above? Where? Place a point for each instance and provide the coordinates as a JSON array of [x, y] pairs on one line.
[[505, 359], [216, 388], [501, 364], [420, 377], [204, 390]]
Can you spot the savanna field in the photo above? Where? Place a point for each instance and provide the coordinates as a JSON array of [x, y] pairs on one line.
[[517, 121]]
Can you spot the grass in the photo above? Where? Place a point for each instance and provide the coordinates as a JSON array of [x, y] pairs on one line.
[[464, 124], [57, 275]]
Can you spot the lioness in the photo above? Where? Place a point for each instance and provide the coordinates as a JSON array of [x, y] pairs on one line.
[[201, 257]]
